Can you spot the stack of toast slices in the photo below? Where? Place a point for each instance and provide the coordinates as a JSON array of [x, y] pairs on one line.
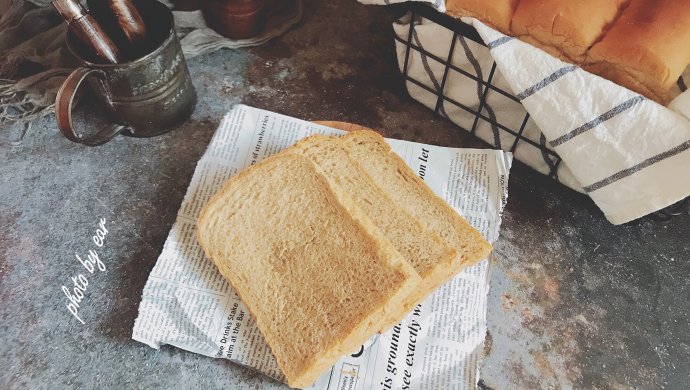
[[330, 241]]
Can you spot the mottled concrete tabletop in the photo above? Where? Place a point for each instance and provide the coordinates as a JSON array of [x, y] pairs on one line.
[[575, 302]]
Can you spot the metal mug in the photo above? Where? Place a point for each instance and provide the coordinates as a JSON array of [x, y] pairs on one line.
[[145, 97]]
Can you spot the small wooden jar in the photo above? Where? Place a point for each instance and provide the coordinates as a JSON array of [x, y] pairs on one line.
[[235, 19]]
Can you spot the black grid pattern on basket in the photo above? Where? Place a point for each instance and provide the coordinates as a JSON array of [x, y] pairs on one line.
[[484, 83], [461, 29]]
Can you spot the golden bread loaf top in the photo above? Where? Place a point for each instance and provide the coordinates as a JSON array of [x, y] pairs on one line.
[[643, 45], [647, 48], [569, 28]]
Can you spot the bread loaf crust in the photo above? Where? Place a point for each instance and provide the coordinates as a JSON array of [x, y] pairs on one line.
[[643, 45], [565, 29], [647, 48], [495, 13]]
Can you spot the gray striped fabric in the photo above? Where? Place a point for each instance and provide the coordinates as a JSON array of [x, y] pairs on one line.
[[498, 42], [546, 81], [638, 167], [612, 113], [636, 138], [613, 144]]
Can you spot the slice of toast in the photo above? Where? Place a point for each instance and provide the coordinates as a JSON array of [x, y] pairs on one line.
[[401, 184], [425, 250], [315, 272]]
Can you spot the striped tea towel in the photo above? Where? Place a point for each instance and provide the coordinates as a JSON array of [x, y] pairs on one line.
[[628, 153]]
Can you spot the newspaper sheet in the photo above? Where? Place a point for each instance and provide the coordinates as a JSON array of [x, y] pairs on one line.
[[187, 303]]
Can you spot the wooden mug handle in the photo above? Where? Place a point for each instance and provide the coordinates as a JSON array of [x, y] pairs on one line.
[[63, 110]]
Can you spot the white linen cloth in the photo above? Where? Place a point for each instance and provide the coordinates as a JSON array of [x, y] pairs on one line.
[[628, 153]]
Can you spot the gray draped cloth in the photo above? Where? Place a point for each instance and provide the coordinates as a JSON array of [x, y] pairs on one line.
[[34, 61]]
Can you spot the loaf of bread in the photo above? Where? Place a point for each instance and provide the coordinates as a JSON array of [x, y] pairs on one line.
[[407, 190], [495, 13], [647, 48], [643, 45], [317, 275], [564, 29], [425, 250]]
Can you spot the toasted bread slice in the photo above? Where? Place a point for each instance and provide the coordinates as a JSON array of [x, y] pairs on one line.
[[315, 272], [410, 192], [425, 250]]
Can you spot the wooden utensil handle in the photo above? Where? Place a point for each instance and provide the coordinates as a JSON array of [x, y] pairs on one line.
[[129, 20]]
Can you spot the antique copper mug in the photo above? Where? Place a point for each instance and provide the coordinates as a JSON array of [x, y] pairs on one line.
[[148, 96]]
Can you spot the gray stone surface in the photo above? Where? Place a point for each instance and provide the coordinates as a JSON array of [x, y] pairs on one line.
[[574, 301]]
